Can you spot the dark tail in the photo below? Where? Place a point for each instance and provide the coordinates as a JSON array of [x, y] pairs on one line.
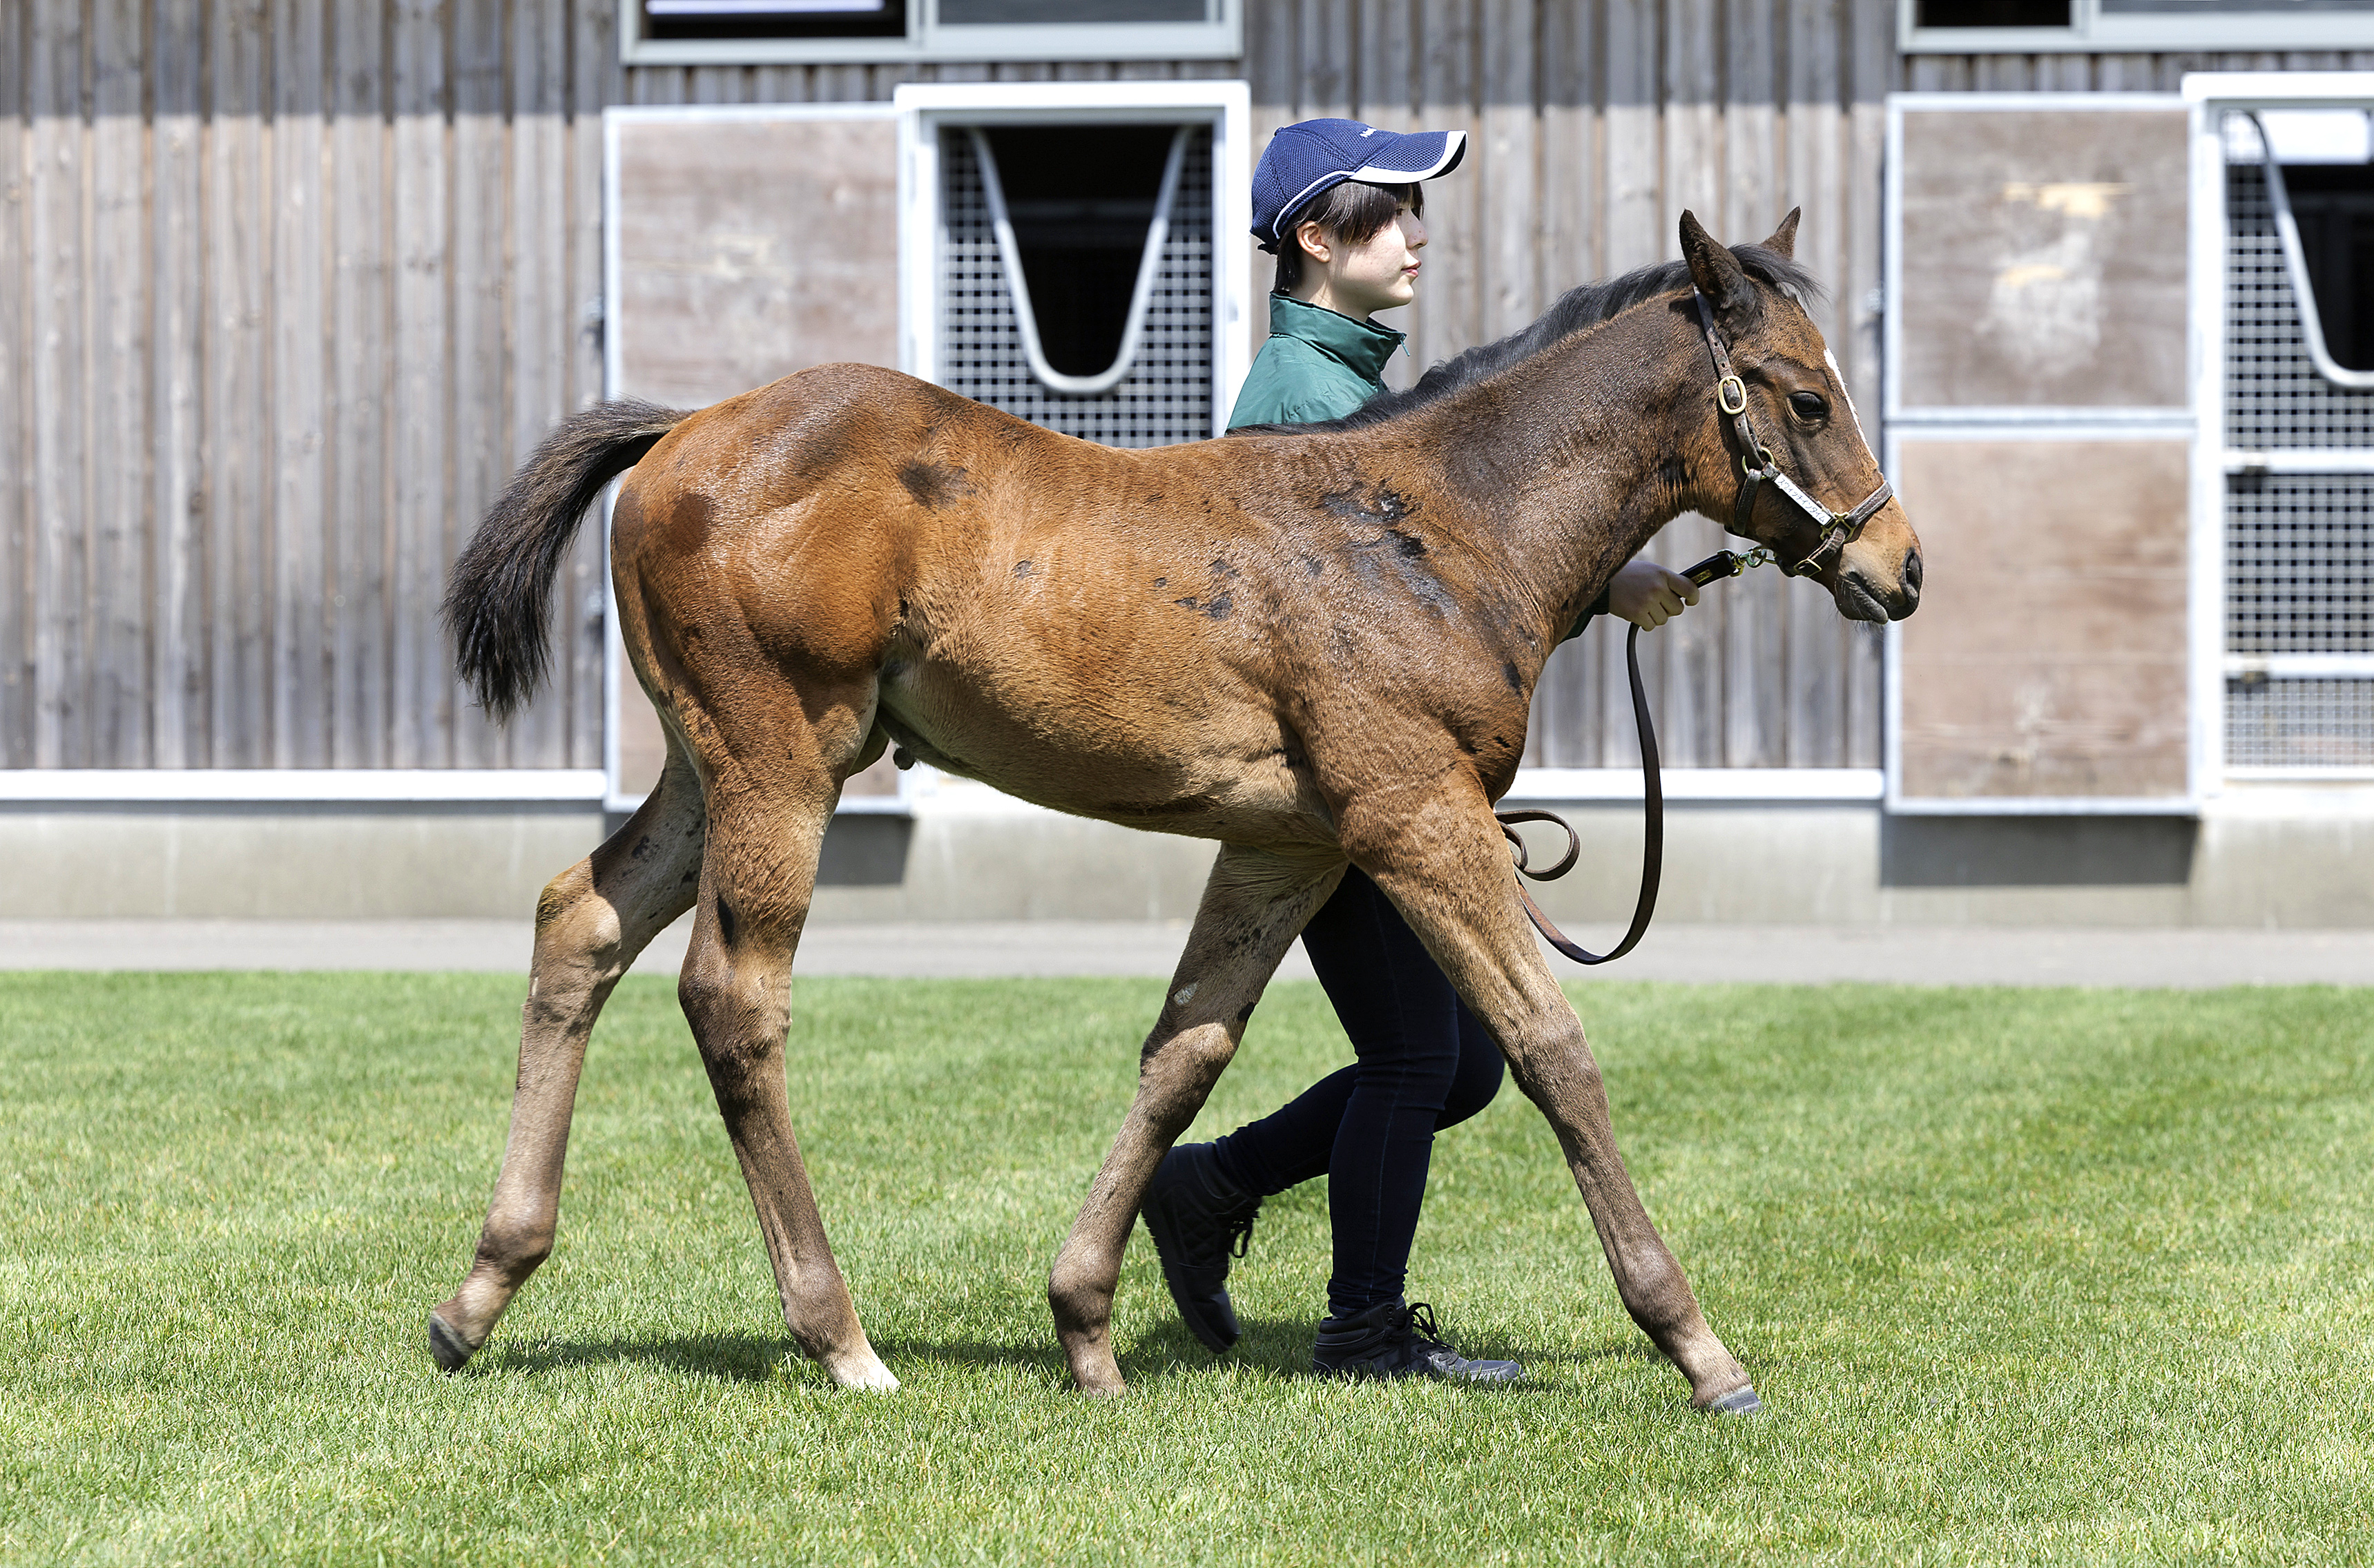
[[499, 603]]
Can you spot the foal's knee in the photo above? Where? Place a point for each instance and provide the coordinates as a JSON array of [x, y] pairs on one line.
[[1555, 1063], [1186, 1065]]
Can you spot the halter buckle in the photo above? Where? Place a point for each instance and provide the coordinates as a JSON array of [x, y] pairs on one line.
[[1731, 396]]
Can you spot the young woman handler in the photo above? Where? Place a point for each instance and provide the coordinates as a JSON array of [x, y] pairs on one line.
[[1340, 206]]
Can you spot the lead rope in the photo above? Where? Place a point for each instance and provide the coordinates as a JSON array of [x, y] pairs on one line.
[[1721, 564]]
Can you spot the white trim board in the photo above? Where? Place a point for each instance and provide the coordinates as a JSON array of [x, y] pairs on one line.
[[329, 785], [1804, 785]]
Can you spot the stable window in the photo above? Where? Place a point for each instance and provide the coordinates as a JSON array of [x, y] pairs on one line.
[[2286, 245], [761, 32], [1995, 26], [1075, 253]]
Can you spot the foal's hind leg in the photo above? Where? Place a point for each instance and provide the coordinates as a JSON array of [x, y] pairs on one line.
[[592, 921], [1253, 907], [1446, 868], [757, 878]]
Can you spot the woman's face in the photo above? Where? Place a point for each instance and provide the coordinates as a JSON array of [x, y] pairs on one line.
[[1375, 274]]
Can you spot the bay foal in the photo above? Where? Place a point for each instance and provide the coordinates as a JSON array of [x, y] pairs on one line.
[[1314, 646]]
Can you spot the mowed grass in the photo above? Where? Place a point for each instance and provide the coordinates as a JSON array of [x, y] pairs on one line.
[[2023, 1276]]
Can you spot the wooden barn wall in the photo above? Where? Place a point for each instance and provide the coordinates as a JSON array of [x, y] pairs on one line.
[[288, 287]]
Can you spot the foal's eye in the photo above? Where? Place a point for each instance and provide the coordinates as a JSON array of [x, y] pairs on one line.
[[1809, 406]]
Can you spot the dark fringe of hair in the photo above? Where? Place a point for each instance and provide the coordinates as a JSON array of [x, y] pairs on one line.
[[1352, 213], [1586, 306], [499, 600]]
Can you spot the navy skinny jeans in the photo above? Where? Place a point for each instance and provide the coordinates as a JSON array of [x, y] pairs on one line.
[[1423, 1062]]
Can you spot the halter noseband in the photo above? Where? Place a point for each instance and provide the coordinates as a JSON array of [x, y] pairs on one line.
[[1837, 530]]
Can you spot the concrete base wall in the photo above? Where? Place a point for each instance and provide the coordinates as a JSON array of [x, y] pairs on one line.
[[287, 861], [2291, 858]]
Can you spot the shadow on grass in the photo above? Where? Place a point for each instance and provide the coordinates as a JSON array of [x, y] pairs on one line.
[[741, 1358], [1276, 1347]]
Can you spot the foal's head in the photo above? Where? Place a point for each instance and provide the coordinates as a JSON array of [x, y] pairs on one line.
[[1798, 409]]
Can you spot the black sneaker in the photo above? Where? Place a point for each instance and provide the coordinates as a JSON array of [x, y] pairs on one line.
[[1199, 1219], [1393, 1340]]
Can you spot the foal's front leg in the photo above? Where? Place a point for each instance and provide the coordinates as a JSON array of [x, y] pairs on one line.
[[1254, 906], [1446, 868]]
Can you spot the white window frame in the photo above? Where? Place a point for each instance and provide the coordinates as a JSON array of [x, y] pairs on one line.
[[2209, 94], [928, 38], [2091, 32], [1225, 104]]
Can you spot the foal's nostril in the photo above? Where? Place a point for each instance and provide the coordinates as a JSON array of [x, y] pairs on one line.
[[1912, 572]]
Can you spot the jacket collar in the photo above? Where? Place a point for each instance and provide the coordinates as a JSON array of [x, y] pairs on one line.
[[1362, 346]]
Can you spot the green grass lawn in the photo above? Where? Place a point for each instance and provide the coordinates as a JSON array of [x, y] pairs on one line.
[[2023, 1276]]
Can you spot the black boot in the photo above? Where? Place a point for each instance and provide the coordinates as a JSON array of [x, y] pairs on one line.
[[1197, 1217], [1393, 1340]]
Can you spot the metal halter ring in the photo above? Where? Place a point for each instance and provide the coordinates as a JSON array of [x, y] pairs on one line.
[[1731, 396]]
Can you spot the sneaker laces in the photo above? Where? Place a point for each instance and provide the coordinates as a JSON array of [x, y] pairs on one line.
[[1239, 1234], [1420, 1320]]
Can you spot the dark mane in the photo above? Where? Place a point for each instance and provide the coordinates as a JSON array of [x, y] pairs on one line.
[[1577, 308]]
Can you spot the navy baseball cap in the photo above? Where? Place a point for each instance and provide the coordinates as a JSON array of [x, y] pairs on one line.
[[1308, 160]]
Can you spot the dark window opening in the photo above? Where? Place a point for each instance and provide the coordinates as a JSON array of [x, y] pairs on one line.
[[2334, 206], [1990, 13], [671, 20], [1080, 198]]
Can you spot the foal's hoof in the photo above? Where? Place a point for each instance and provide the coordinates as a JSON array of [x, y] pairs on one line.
[[447, 1346], [1740, 1402]]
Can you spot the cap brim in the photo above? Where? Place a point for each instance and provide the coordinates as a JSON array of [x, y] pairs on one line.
[[1419, 155]]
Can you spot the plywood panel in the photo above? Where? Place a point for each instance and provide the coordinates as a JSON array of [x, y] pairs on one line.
[[357, 513], [177, 642], [16, 332], [61, 387], [422, 698], [118, 441], [2048, 658], [300, 410], [751, 249], [748, 250], [237, 419], [2044, 259], [537, 47]]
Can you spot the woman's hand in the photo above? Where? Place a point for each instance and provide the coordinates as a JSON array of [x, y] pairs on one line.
[[1648, 595]]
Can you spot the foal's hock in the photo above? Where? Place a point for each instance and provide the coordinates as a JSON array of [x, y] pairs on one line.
[[1314, 644]]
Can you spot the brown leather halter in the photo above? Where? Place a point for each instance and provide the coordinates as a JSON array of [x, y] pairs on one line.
[[1835, 531], [1758, 467]]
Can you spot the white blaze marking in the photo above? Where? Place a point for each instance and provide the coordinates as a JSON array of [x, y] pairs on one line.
[[1841, 377], [1184, 994]]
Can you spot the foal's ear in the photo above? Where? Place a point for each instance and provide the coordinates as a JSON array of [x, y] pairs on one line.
[[1784, 238], [1720, 278]]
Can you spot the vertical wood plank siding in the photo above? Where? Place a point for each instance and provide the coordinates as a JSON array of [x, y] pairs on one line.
[[288, 286]]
